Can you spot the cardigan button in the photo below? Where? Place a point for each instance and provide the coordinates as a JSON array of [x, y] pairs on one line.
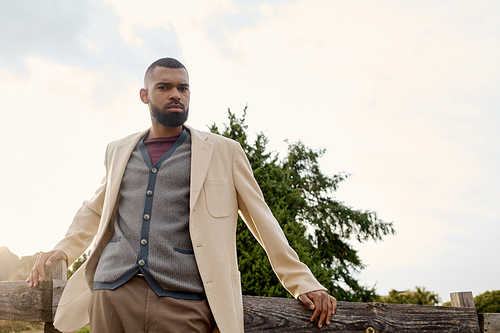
[[149, 193], [142, 262], [144, 241], [146, 217], [154, 170]]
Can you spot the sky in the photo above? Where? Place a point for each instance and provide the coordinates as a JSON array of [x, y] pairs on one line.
[[403, 95]]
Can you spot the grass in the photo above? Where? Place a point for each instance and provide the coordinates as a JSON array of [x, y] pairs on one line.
[[7, 326]]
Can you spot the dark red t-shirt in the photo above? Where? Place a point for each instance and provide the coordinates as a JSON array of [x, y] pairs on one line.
[[157, 147]]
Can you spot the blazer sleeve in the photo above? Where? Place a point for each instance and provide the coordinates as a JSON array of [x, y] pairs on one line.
[[85, 224], [293, 274]]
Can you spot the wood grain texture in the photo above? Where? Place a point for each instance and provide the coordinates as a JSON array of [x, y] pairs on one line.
[[58, 275], [489, 322], [264, 314], [19, 302], [462, 299], [57, 271], [22, 303], [57, 290]]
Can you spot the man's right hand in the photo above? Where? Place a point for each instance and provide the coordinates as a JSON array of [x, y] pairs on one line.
[[38, 270]]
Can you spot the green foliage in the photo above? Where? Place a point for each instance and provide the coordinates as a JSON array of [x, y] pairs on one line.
[[420, 297], [488, 302], [317, 226], [78, 263], [86, 329]]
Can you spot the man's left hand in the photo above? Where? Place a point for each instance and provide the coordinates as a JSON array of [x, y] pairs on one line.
[[324, 305]]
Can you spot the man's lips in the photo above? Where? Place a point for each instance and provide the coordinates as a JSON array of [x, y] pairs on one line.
[[175, 108]]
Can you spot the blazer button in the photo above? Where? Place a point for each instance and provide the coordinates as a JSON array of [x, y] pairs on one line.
[[142, 262]]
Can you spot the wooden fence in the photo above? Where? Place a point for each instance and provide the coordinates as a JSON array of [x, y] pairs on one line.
[[265, 314]]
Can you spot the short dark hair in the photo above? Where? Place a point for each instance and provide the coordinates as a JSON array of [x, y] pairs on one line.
[[163, 62]]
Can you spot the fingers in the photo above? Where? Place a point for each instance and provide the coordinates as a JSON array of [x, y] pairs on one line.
[[331, 307], [324, 306], [318, 308], [324, 310], [326, 314], [334, 304], [38, 271]]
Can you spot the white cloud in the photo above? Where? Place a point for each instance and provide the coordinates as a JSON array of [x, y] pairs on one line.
[[266, 9]]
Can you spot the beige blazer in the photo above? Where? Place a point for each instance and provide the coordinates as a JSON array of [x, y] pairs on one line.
[[222, 184]]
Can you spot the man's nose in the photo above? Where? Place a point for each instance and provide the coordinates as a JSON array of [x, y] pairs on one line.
[[175, 94]]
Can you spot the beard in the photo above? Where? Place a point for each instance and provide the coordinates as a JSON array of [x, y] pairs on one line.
[[167, 118]]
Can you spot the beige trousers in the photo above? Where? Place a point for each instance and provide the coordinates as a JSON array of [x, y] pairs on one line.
[[135, 308]]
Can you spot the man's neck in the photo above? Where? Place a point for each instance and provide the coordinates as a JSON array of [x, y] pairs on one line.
[[160, 131]]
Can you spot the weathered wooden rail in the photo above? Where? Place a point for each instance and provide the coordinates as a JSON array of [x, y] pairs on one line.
[[265, 314], [22, 303]]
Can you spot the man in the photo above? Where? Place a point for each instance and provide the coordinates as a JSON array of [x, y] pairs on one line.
[[165, 223]]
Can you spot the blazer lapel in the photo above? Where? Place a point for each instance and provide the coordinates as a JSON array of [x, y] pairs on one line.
[[117, 163], [201, 153], [119, 159]]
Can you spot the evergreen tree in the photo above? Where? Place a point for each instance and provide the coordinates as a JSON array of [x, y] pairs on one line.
[[317, 226]]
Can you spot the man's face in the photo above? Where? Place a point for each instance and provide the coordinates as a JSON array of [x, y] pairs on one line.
[[168, 96]]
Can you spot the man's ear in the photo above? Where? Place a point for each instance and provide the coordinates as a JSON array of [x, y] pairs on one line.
[[143, 94]]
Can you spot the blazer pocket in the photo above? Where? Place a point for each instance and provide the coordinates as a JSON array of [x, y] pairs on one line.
[[218, 197]]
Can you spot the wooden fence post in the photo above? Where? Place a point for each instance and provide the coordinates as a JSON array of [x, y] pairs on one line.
[[57, 274], [462, 299], [21, 303], [488, 322]]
